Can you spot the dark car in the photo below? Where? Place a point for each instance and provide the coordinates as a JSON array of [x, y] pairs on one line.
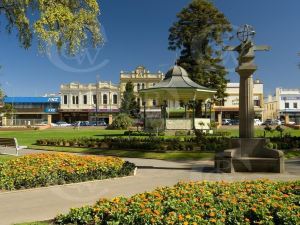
[[235, 122], [268, 122]]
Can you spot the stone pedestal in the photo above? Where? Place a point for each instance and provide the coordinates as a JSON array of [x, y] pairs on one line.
[[250, 155]]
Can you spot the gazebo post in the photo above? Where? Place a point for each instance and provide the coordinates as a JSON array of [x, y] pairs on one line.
[[165, 114], [144, 104], [194, 114], [185, 110]]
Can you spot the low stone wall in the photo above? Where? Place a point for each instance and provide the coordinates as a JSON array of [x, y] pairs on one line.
[[179, 124]]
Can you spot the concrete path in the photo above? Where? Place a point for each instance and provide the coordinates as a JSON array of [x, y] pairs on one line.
[[46, 203]]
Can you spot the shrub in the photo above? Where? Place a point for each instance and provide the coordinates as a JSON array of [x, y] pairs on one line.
[[121, 122], [39, 170], [249, 202]]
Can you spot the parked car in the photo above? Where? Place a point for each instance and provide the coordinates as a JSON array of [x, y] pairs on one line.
[[235, 122], [277, 122], [226, 122], [81, 124], [268, 122], [63, 124], [257, 122], [100, 123]]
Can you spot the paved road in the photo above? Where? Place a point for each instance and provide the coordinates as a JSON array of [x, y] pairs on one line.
[[46, 203]]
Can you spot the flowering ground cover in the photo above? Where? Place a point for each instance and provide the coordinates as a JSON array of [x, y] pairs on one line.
[[251, 202], [40, 170]]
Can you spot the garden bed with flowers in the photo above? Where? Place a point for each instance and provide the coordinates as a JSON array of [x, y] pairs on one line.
[[39, 170], [255, 202]]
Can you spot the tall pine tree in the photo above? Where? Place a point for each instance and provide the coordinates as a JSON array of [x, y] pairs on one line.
[[129, 104], [199, 33]]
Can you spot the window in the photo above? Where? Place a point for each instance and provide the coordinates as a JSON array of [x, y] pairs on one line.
[[65, 99], [85, 99], [295, 105], [256, 102], [287, 105], [138, 86], [115, 99], [105, 99], [75, 100], [143, 86], [94, 99], [154, 102]]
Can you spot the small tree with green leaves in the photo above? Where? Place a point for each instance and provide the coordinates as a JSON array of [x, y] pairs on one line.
[[129, 105]]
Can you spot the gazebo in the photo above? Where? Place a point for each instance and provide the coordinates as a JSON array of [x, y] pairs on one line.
[[176, 90]]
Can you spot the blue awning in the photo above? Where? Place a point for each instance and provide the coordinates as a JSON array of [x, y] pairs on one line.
[[15, 100]]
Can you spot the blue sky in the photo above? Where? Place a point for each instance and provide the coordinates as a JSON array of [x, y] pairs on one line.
[[136, 33]]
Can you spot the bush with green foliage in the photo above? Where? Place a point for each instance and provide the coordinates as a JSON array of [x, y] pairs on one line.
[[121, 122]]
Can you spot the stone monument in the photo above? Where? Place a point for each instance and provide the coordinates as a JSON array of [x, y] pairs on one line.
[[248, 154]]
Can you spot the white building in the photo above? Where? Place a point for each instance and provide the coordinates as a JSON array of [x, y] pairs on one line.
[[81, 102], [285, 103], [229, 108]]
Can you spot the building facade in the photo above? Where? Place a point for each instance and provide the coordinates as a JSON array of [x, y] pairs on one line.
[[284, 104], [229, 107], [141, 79], [32, 110], [86, 102]]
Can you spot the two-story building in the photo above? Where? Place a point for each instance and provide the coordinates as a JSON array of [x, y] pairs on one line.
[[86, 102], [284, 105], [229, 107]]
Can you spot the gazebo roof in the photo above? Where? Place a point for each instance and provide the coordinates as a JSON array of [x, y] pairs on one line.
[[177, 77], [178, 85]]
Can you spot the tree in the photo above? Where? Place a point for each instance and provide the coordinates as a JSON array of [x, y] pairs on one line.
[[68, 24], [129, 104], [199, 34], [8, 110]]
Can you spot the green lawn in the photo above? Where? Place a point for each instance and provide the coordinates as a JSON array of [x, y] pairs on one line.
[[28, 138], [4, 158]]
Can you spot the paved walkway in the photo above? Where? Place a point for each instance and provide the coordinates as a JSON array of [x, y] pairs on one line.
[[46, 203]]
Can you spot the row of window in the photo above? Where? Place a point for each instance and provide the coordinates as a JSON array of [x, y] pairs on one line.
[[75, 99], [287, 105]]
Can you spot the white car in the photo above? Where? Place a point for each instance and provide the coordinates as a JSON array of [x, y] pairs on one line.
[[257, 122], [63, 124], [277, 122]]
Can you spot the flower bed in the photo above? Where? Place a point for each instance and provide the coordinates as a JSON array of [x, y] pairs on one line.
[[255, 202], [40, 170]]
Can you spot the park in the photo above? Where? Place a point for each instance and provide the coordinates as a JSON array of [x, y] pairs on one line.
[[160, 151]]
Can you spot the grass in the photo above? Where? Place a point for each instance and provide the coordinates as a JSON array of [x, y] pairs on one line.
[[28, 138], [292, 154], [4, 158], [174, 155]]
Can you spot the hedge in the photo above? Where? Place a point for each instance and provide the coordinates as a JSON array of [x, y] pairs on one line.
[[249, 202], [38, 170]]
